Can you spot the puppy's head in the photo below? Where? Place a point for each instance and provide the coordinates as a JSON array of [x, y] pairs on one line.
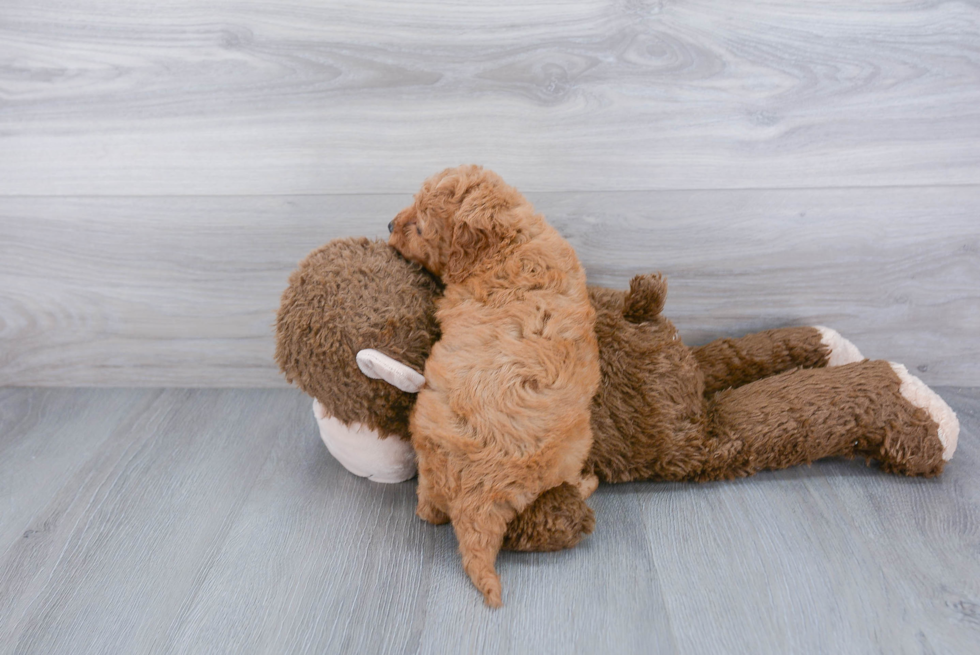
[[460, 220]]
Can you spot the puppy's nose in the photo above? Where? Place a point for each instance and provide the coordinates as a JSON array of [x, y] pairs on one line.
[[391, 226]]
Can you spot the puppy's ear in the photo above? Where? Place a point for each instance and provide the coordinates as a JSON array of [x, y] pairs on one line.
[[481, 229], [469, 247]]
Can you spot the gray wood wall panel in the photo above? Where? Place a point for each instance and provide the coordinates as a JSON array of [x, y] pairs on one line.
[[214, 521], [162, 169], [293, 97], [183, 291]]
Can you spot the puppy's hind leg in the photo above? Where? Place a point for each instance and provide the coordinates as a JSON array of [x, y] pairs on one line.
[[480, 530], [427, 509]]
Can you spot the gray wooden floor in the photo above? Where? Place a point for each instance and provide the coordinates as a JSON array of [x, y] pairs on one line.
[[200, 521]]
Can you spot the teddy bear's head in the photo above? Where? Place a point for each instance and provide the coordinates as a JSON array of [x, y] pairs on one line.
[[358, 321], [354, 328]]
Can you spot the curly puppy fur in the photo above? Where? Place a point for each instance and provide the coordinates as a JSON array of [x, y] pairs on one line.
[[505, 412]]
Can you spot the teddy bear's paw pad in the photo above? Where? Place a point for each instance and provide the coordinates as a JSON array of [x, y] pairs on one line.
[[841, 351], [919, 394]]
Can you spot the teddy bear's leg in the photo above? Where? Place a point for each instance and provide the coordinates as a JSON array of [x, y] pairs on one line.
[[871, 408], [557, 519], [728, 363]]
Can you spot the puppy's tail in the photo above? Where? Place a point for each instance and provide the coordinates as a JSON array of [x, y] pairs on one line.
[[480, 531]]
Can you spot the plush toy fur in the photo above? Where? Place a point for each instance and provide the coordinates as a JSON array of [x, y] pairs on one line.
[[663, 411], [346, 296], [665, 419]]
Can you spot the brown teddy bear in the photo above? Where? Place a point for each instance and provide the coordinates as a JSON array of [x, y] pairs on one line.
[[357, 322]]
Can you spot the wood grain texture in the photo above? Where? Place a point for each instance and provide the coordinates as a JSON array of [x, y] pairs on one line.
[[39, 450], [183, 291], [113, 557], [215, 521], [299, 97]]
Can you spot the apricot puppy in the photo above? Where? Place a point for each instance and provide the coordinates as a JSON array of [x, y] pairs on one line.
[[504, 415]]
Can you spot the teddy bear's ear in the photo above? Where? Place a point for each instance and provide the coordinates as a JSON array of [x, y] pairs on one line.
[[379, 366], [645, 299]]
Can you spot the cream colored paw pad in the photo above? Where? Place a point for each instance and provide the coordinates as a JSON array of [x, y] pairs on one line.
[[841, 350], [919, 394]]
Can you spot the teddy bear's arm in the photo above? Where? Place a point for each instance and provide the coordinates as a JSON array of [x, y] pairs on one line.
[[557, 519], [730, 363]]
